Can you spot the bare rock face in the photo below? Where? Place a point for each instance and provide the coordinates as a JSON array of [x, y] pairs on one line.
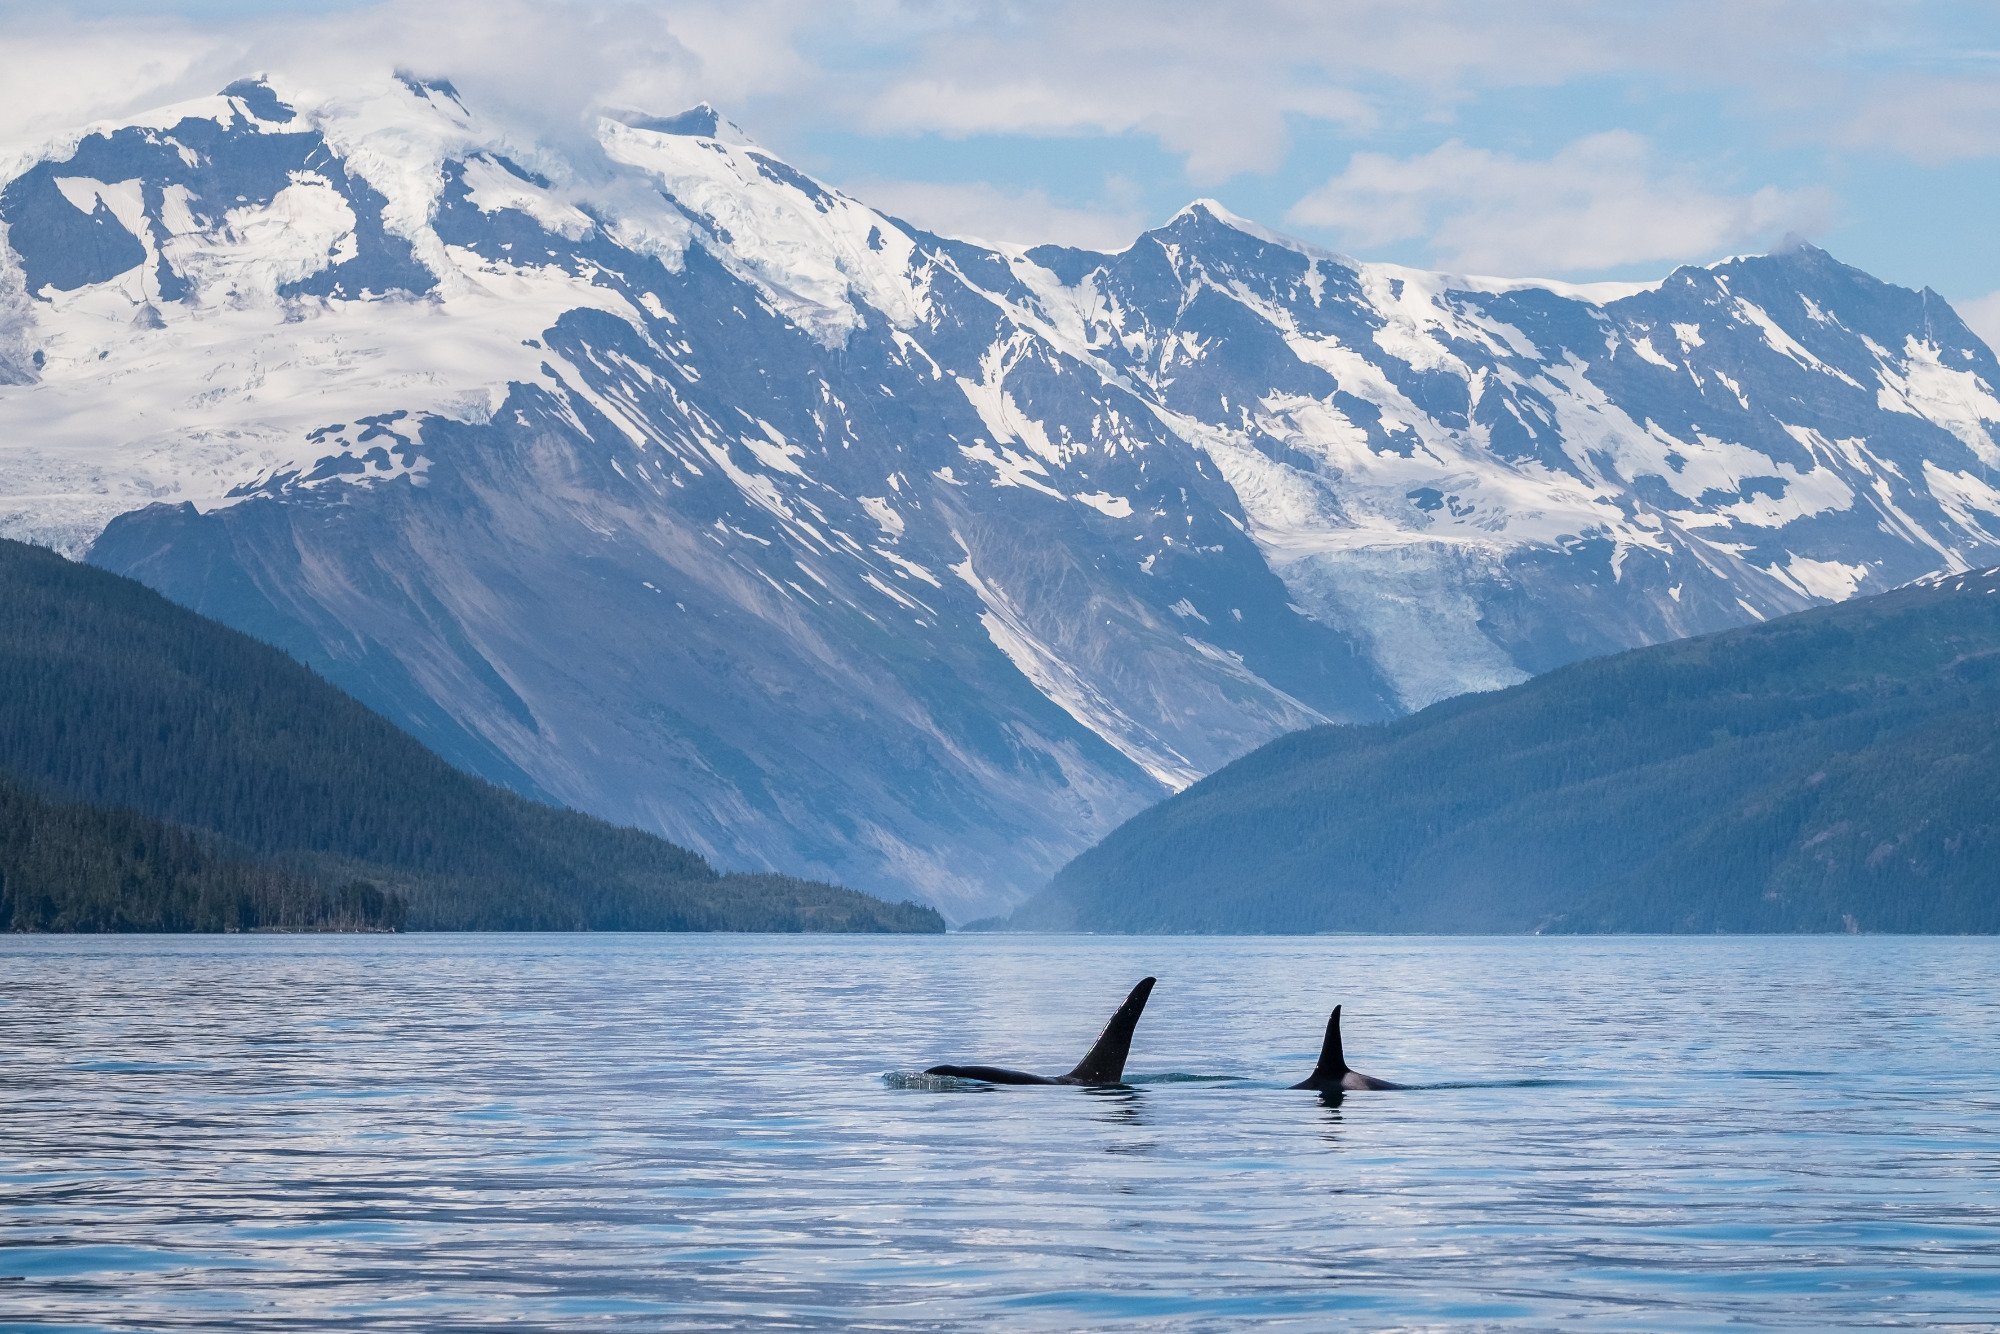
[[680, 488]]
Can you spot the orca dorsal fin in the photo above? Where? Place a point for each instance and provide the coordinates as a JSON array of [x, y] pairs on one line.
[[1106, 1062], [1332, 1060]]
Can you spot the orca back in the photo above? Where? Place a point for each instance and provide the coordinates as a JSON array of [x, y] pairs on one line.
[[991, 1074]]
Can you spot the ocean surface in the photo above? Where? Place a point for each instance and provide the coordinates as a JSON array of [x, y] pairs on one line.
[[573, 1132]]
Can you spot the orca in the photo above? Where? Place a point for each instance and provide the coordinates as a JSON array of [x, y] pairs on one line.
[[1331, 1075], [1104, 1065]]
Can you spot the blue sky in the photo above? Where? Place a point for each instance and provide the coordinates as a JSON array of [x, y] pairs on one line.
[[1559, 138]]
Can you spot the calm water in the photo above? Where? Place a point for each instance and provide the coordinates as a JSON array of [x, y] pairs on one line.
[[438, 1132]]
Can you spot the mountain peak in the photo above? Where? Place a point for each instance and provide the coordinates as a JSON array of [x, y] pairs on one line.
[[1205, 212], [431, 89], [1204, 207], [1794, 244], [700, 121], [257, 96], [1797, 251]]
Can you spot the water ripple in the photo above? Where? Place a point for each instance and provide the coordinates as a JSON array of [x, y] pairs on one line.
[[657, 1132]]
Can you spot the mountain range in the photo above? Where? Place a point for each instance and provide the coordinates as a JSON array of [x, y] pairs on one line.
[[642, 473], [1836, 769], [160, 772]]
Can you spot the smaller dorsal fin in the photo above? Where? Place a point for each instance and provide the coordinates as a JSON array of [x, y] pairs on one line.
[[1106, 1062], [1333, 1072], [1332, 1061]]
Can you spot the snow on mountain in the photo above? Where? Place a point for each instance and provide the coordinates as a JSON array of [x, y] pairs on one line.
[[668, 482], [1480, 479]]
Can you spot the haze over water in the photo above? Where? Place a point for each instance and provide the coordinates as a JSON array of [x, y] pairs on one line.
[[430, 1132]]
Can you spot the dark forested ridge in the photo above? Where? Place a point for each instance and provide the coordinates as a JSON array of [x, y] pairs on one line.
[[161, 772], [1834, 770], [70, 866]]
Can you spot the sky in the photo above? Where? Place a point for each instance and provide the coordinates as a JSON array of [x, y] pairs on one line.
[[1575, 139]]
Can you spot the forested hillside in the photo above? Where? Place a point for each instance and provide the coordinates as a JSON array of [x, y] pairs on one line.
[[70, 866], [169, 773], [1833, 770]]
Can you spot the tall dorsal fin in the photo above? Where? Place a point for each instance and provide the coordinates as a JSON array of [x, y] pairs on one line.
[[1332, 1061], [1106, 1062]]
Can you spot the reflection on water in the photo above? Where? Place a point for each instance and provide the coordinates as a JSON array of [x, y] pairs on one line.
[[569, 1132]]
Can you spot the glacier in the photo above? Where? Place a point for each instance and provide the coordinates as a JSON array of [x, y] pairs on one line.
[[654, 477]]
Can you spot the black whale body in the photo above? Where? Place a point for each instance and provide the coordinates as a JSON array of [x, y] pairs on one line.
[[1104, 1065]]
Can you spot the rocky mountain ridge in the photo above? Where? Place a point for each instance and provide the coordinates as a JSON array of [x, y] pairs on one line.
[[661, 480]]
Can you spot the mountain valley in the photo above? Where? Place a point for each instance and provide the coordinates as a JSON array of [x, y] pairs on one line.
[[658, 480]]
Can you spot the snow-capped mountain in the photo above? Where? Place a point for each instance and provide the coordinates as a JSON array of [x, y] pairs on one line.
[[659, 479]]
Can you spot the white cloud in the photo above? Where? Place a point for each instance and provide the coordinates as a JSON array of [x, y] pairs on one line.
[[1215, 121], [982, 212], [541, 65], [1220, 86], [1601, 202], [57, 77], [1225, 89], [1929, 120], [1225, 86], [1982, 315]]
